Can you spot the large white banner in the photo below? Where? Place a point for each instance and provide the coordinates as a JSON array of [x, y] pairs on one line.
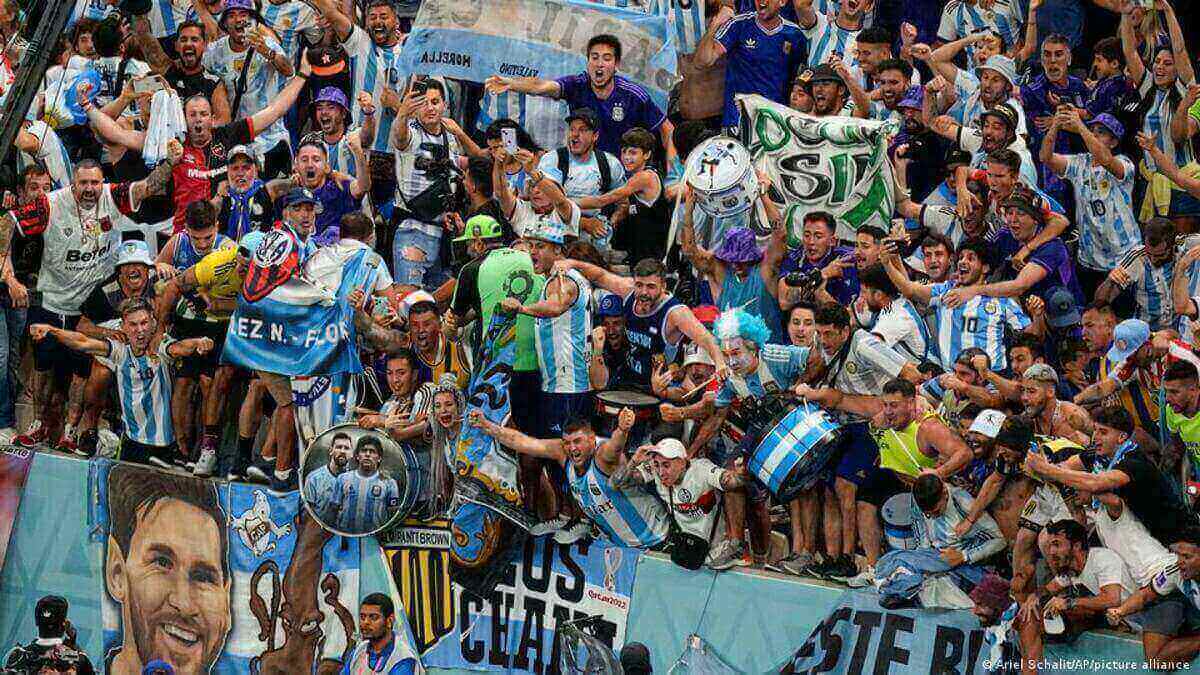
[[834, 164]]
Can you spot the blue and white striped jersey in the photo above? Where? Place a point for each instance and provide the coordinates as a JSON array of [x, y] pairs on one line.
[[374, 68], [868, 364], [320, 491], [633, 517], [562, 341], [1157, 120], [365, 502], [961, 18], [166, 15], [980, 322], [969, 106], [322, 401], [687, 16], [826, 38], [144, 386], [1108, 229], [1152, 285], [287, 19], [542, 117]]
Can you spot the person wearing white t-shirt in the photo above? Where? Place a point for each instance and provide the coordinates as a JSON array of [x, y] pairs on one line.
[[584, 175], [1087, 581], [1178, 589], [544, 199]]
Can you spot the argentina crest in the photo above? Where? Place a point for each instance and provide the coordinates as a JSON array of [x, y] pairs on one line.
[[418, 556]]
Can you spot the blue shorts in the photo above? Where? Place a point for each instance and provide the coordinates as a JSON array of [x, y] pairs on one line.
[[556, 409], [857, 456], [524, 395], [425, 273], [1183, 204]]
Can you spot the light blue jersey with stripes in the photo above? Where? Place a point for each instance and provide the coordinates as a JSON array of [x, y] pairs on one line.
[[320, 491], [287, 19], [1157, 121], [903, 328], [542, 117], [632, 517], [687, 16], [374, 68], [562, 341], [366, 501], [1152, 284], [1104, 208], [969, 106], [979, 322], [166, 15], [961, 18], [144, 385], [263, 83], [826, 38], [784, 363], [91, 9], [340, 157], [51, 154]]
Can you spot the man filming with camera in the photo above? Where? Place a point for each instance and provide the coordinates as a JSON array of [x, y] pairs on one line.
[[429, 149]]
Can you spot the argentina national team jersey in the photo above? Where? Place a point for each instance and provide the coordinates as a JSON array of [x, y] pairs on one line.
[[1152, 284], [826, 38], [320, 491], [542, 117], [374, 68], [961, 18], [322, 401], [288, 18], [632, 517], [868, 364], [758, 60], [980, 322], [1157, 121], [1104, 205], [144, 385], [263, 83], [784, 363], [562, 341], [365, 502], [166, 15]]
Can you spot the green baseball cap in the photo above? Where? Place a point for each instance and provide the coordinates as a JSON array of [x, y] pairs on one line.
[[480, 227]]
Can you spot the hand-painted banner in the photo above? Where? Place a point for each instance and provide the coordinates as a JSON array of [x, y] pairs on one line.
[[514, 627], [14, 468], [834, 164], [475, 39], [222, 578]]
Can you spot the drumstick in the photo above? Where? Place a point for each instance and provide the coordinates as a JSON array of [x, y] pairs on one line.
[[359, 410], [700, 386]]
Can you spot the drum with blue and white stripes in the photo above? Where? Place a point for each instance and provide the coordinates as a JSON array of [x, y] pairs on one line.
[[791, 455]]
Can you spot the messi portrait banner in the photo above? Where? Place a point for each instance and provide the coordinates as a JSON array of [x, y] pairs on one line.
[[218, 578], [513, 628]]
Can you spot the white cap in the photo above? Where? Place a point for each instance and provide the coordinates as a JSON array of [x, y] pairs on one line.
[[698, 356], [134, 251], [670, 448], [988, 423]]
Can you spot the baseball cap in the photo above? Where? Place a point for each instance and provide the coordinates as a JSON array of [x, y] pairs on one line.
[[1128, 337], [50, 613], [1110, 123], [1061, 311], [988, 423], [585, 115], [250, 242], [546, 230], [669, 448], [913, 98], [1041, 372], [635, 659], [610, 305], [332, 95], [824, 73], [327, 60], [241, 151], [697, 356], [1003, 65], [1004, 112], [956, 156], [158, 667], [299, 195], [481, 226], [134, 251]]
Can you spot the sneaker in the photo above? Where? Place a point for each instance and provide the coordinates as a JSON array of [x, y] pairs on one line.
[[262, 471], [863, 579], [207, 461], [34, 436], [843, 569], [576, 530], [281, 487], [728, 554], [896, 602], [797, 564], [549, 526], [826, 568], [161, 463]]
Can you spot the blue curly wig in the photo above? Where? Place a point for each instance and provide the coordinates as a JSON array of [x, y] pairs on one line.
[[738, 323]]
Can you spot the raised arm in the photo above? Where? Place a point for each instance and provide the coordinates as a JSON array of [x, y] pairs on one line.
[[497, 84], [279, 105], [361, 185], [864, 406], [710, 48], [1167, 166], [72, 340], [500, 187], [1180, 296], [700, 258], [342, 25], [190, 347], [1054, 161], [1183, 125], [611, 452], [1133, 58], [160, 176], [1183, 63], [561, 293], [953, 453], [690, 326], [106, 127], [910, 289], [152, 51], [515, 440], [598, 276], [277, 59]]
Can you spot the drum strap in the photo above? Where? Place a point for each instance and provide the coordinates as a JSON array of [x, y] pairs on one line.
[[836, 363]]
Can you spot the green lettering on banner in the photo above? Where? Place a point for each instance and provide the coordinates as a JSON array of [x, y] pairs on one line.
[[761, 132], [871, 204], [841, 178]]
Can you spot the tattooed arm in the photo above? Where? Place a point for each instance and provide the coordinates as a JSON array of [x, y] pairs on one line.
[[160, 177], [380, 337], [635, 472]]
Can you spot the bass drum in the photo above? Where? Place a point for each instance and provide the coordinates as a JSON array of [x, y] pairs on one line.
[[722, 177], [799, 442], [897, 515]]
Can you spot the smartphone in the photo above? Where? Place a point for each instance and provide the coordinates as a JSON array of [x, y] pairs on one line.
[[147, 84], [509, 136]]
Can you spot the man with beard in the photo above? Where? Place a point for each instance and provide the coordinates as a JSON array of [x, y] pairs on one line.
[[437, 355], [205, 146], [763, 52], [77, 225], [1103, 189], [185, 74], [365, 499], [609, 366], [545, 200], [919, 154], [338, 196], [253, 85], [992, 84], [596, 471], [739, 275], [1181, 384], [383, 650], [997, 131], [145, 377], [819, 254], [374, 50], [1050, 416], [873, 49], [892, 83], [980, 322], [891, 316], [835, 34], [101, 320], [243, 202], [620, 104], [167, 539], [656, 322], [321, 485], [343, 146], [833, 94], [1150, 269], [910, 443]]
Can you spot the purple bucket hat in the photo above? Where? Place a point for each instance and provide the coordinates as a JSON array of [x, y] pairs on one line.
[[739, 246], [332, 95], [249, 5]]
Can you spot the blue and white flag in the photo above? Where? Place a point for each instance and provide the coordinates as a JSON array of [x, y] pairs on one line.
[[687, 16], [305, 326], [62, 106], [473, 40]]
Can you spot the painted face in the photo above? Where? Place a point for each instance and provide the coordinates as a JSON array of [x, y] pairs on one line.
[[739, 355]]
